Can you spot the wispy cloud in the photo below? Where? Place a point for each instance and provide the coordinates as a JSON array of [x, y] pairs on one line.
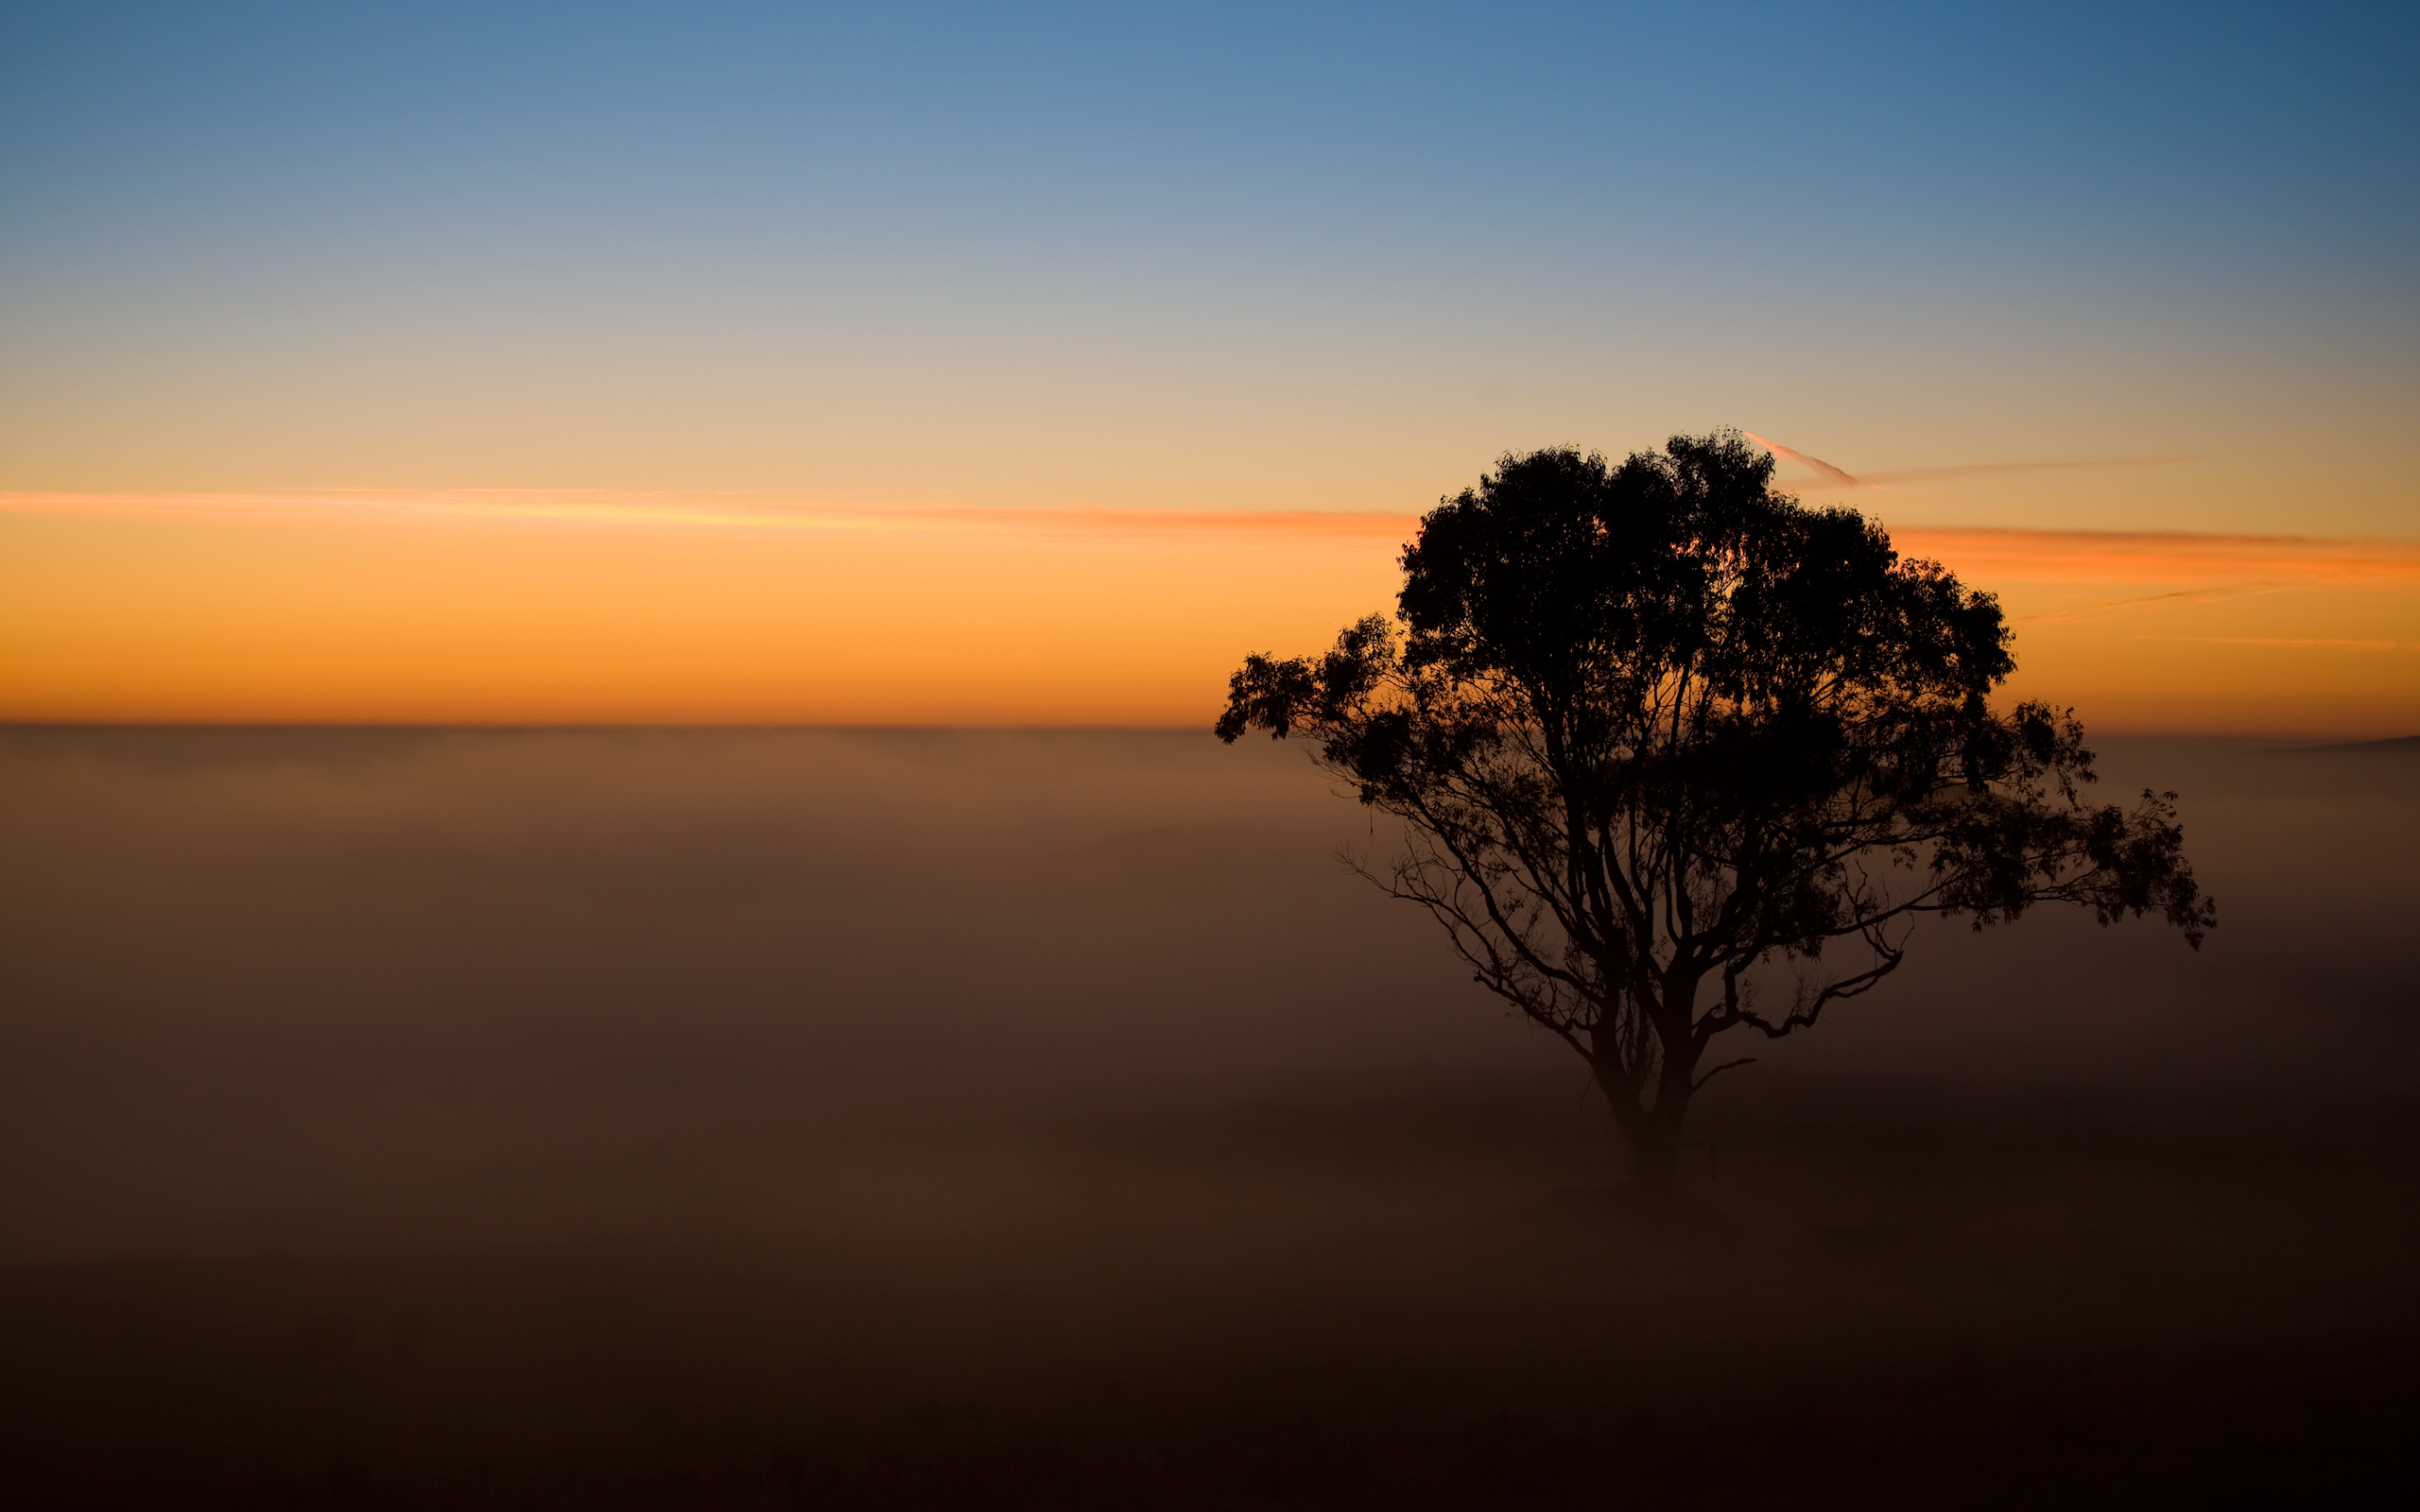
[[2208, 562], [1830, 476], [1927, 475], [715, 512], [2183, 598], [1816, 465], [2326, 643], [2163, 566]]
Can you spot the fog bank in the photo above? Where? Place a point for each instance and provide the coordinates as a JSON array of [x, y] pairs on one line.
[[282, 987]]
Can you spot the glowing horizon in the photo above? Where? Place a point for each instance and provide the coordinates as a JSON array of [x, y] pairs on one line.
[[779, 363], [525, 607]]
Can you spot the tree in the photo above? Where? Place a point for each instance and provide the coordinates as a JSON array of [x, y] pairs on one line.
[[1678, 755]]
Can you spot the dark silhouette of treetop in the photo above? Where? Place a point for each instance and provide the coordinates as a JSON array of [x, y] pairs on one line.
[[1678, 755]]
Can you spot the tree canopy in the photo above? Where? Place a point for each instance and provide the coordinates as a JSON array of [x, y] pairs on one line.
[[1677, 755]]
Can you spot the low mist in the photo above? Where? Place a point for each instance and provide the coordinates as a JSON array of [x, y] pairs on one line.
[[675, 1115]]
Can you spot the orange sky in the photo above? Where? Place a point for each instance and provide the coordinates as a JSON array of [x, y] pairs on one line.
[[562, 606], [1031, 369]]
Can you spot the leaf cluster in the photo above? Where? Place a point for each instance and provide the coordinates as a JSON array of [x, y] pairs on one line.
[[1653, 725]]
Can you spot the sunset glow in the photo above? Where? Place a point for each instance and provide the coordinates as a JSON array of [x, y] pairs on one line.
[[568, 606], [827, 367], [642, 863]]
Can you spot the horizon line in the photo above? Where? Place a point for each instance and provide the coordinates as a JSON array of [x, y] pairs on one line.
[[525, 726], [764, 510]]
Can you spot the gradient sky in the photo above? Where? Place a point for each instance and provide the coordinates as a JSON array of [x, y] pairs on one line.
[[722, 362]]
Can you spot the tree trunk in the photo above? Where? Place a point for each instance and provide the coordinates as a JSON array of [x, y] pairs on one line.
[[1655, 1138], [1653, 1159], [1655, 1155]]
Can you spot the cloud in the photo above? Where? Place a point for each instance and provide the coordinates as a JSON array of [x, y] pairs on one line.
[[1814, 464], [1927, 474], [2330, 643], [2173, 562], [1837, 477], [2209, 561], [2181, 599], [717, 512]]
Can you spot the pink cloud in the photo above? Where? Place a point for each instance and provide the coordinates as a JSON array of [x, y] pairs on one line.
[[1814, 464]]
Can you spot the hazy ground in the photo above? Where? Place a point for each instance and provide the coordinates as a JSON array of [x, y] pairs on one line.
[[681, 1120]]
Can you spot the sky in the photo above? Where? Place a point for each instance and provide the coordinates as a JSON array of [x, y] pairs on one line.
[[1029, 365]]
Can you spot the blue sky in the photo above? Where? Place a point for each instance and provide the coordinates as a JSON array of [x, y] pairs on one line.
[[1206, 257]]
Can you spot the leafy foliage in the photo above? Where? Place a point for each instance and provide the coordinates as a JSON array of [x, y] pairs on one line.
[[1655, 727]]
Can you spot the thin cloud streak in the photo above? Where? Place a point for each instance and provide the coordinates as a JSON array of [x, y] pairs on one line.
[[2213, 563], [1970, 470], [2001, 554], [2183, 598], [712, 512], [1839, 477], [2326, 643], [1813, 464]]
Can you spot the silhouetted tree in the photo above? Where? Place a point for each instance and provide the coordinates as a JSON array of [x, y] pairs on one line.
[[1668, 745]]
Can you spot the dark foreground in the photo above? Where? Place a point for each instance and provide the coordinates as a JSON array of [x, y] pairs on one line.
[[1923, 1297], [812, 1119]]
